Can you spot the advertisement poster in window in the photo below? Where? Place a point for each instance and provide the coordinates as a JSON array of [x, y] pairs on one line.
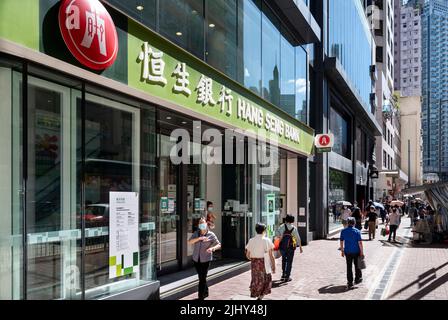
[[123, 234]]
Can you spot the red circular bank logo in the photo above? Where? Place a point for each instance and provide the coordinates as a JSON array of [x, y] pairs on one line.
[[324, 140], [89, 32]]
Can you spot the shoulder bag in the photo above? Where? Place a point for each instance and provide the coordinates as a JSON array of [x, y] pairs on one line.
[[267, 259]]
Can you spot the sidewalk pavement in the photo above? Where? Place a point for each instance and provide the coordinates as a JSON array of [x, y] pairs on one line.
[[320, 272]]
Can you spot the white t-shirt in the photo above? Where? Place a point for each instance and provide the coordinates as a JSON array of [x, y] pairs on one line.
[[258, 245]]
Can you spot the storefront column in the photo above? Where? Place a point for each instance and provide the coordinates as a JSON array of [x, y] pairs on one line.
[[302, 200]]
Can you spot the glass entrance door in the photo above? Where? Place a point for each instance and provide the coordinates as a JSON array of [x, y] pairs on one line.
[[168, 220]]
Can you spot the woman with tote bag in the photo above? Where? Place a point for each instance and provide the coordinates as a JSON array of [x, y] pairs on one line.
[[259, 251]]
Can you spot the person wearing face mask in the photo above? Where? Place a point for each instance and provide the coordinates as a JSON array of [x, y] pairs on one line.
[[211, 217], [205, 243]]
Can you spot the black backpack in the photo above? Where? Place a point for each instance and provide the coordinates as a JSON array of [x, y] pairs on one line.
[[287, 241]]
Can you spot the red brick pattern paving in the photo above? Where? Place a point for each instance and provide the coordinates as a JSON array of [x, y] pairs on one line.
[[319, 273]]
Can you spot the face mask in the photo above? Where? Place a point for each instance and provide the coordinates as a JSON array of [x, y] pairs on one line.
[[202, 226], [210, 209]]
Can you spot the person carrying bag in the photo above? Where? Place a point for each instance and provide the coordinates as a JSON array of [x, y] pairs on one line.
[[289, 238]]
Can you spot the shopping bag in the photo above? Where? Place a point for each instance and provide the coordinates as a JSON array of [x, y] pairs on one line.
[[276, 243], [383, 232], [277, 254], [267, 262], [366, 225], [387, 230], [361, 263]]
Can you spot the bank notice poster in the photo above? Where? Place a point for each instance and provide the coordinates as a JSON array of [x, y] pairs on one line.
[[123, 234]]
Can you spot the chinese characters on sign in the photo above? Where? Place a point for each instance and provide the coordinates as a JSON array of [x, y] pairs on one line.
[[153, 71]]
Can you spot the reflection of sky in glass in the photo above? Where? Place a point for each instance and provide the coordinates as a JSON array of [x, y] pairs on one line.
[[252, 45], [350, 41], [270, 60]]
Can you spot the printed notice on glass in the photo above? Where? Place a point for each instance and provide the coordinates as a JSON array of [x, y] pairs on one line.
[[123, 234]]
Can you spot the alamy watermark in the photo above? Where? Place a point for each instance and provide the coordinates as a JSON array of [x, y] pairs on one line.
[[211, 146]]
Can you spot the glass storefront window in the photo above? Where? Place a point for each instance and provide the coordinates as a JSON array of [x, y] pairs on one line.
[[119, 156], [338, 191], [11, 218]]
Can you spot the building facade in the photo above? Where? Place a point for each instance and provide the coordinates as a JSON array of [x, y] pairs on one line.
[[99, 97], [434, 91], [343, 104], [408, 46], [411, 139]]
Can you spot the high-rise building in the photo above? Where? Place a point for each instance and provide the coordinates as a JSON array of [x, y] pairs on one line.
[[434, 89], [407, 51], [388, 146]]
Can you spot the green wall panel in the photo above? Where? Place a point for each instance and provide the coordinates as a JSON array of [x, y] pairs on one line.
[[19, 22]]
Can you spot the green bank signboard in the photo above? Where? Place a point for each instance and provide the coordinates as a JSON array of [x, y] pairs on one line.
[[160, 69], [149, 63]]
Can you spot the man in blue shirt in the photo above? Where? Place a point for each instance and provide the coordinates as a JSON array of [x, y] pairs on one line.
[[352, 249]]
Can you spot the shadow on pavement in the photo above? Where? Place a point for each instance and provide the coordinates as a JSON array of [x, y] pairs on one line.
[[422, 280], [278, 284], [333, 289]]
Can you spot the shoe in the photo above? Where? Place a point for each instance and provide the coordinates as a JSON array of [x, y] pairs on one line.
[[349, 286], [288, 279], [358, 281]]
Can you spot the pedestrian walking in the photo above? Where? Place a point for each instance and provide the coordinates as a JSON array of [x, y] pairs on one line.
[[394, 223], [210, 216], [358, 217], [412, 213], [352, 250], [346, 213], [289, 239], [205, 243], [372, 216], [258, 249]]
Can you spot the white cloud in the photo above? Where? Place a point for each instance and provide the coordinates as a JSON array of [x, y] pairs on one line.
[[300, 85]]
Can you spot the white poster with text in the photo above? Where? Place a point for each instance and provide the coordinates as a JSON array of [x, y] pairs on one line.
[[123, 234]]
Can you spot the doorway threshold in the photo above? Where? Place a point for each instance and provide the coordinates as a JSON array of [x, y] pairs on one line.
[[180, 284]]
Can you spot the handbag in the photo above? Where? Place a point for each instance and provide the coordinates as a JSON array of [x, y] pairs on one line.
[[366, 224], [277, 254], [383, 232], [267, 261], [361, 263]]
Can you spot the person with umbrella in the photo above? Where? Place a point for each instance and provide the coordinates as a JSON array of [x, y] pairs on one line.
[[382, 210]]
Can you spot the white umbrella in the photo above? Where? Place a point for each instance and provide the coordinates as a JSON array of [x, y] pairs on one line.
[[344, 203], [397, 203]]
